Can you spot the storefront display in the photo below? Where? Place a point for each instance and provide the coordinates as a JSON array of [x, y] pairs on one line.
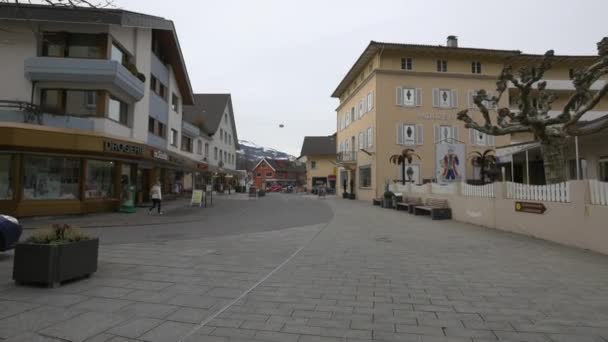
[[99, 182], [50, 177], [6, 192]]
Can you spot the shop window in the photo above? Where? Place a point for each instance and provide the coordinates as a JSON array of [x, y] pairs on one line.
[[6, 192], [118, 111], [99, 182], [50, 178], [125, 182], [365, 176]]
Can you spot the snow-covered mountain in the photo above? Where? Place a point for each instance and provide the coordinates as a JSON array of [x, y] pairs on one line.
[[251, 153]]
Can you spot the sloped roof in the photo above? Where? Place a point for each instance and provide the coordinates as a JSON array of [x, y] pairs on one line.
[[324, 145], [109, 16], [208, 111], [283, 165]]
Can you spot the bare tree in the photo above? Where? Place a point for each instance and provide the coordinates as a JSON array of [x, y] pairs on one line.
[[66, 3], [534, 103]]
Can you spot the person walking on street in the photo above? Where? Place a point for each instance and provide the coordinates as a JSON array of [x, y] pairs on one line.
[[156, 195]]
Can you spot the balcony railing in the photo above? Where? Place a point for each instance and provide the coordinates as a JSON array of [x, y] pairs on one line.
[[347, 157]]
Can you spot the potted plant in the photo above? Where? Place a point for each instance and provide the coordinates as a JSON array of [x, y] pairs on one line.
[[387, 200], [52, 256], [344, 192], [351, 195]]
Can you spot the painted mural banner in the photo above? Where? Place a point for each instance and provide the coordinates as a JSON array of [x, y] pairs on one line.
[[530, 207], [450, 162]]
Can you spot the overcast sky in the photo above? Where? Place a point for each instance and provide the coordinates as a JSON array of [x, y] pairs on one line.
[[282, 59]]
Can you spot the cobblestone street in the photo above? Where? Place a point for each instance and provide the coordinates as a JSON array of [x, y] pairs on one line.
[[364, 274]]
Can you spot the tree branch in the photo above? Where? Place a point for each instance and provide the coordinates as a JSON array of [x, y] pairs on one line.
[[491, 130], [591, 128]]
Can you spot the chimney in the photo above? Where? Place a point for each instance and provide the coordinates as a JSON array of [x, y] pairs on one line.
[[452, 41]]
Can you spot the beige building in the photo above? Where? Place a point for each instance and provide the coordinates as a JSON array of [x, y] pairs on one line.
[[399, 96], [319, 154]]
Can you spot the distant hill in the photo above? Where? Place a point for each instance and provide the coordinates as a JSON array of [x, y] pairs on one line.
[[250, 154]]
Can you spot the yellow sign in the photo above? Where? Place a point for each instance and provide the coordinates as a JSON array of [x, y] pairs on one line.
[[197, 197]]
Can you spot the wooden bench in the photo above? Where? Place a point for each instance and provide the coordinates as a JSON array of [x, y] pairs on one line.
[[409, 203], [437, 208], [377, 201]]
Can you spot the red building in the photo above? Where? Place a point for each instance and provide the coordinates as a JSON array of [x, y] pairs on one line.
[[268, 172]]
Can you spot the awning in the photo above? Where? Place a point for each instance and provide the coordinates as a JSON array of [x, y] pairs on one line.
[[505, 153]]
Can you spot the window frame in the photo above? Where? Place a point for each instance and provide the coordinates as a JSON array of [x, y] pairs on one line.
[[476, 67], [173, 137], [362, 184], [123, 114], [407, 63], [442, 65]]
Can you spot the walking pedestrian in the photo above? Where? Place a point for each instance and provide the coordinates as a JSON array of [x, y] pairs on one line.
[[156, 195]]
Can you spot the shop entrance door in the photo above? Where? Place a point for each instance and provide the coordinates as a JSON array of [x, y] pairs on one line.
[[143, 185]]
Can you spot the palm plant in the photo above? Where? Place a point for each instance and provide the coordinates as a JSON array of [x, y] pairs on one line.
[[484, 160], [407, 155]]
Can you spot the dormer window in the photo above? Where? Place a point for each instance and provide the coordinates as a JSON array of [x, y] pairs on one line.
[[442, 65], [476, 67], [406, 63]]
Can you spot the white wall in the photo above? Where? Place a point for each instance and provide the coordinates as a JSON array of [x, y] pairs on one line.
[[218, 142], [141, 110], [17, 43], [175, 118]]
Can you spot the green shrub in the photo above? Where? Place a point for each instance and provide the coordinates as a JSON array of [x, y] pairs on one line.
[[388, 194], [58, 234]]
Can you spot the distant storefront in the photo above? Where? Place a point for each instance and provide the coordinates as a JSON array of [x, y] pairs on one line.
[[50, 171]]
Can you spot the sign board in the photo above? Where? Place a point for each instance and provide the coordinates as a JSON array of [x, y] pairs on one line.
[[530, 207], [437, 116], [450, 162], [197, 197], [119, 147], [209, 188], [160, 155]]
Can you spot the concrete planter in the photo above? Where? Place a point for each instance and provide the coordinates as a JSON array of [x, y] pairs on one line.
[[52, 264]]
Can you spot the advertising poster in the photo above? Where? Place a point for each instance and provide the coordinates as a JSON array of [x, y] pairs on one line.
[[450, 161]]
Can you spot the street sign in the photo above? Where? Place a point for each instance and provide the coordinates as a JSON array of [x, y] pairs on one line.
[[530, 207], [197, 197]]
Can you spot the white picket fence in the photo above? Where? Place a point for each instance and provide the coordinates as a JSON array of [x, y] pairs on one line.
[[420, 189], [469, 190], [550, 193], [599, 192]]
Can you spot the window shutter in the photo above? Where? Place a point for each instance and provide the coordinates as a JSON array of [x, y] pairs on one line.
[[371, 100], [454, 98], [437, 131], [399, 134], [399, 96], [435, 97], [470, 100], [370, 142], [365, 110], [472, 138], [455, 133], [419, 135], [491, 140], [418, 97]]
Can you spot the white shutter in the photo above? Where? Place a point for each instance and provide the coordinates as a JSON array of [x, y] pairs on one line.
[[435, 97], [437, 133], [472, 137], [365, 109], [399, 96], [454, 98], [471, 102], [370, 103], [356, 113], [418, 97], [419, 135], [370, 137], [399, 134], [491, 140], [455, 133]]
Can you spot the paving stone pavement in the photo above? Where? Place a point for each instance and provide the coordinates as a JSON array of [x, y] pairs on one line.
[[370, 274]]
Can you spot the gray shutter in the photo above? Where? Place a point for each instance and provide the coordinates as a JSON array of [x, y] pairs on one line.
[[437, 131], [454, 98], [399, 96], [371, 100], [491, 140], [435, 97], [419, 135], [364, 104], [472, 136], [471, 93], [400, 134], [455, 133], [418, 97]]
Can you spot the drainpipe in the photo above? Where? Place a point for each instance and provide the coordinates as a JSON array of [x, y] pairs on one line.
[[578, 161]]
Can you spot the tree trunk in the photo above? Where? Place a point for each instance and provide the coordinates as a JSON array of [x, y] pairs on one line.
[[403, 173], [554, 159]]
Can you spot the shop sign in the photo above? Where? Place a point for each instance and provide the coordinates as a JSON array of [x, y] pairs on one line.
[[197, 198], [202, 166], [331, 177], [437, 116], [530, 207], [119, 147], [160, 155]]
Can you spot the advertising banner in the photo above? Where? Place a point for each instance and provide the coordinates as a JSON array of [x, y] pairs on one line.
[[450, 163]]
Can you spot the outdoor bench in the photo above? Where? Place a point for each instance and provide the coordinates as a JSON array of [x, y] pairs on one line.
[[437, 208], [409, 203]]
